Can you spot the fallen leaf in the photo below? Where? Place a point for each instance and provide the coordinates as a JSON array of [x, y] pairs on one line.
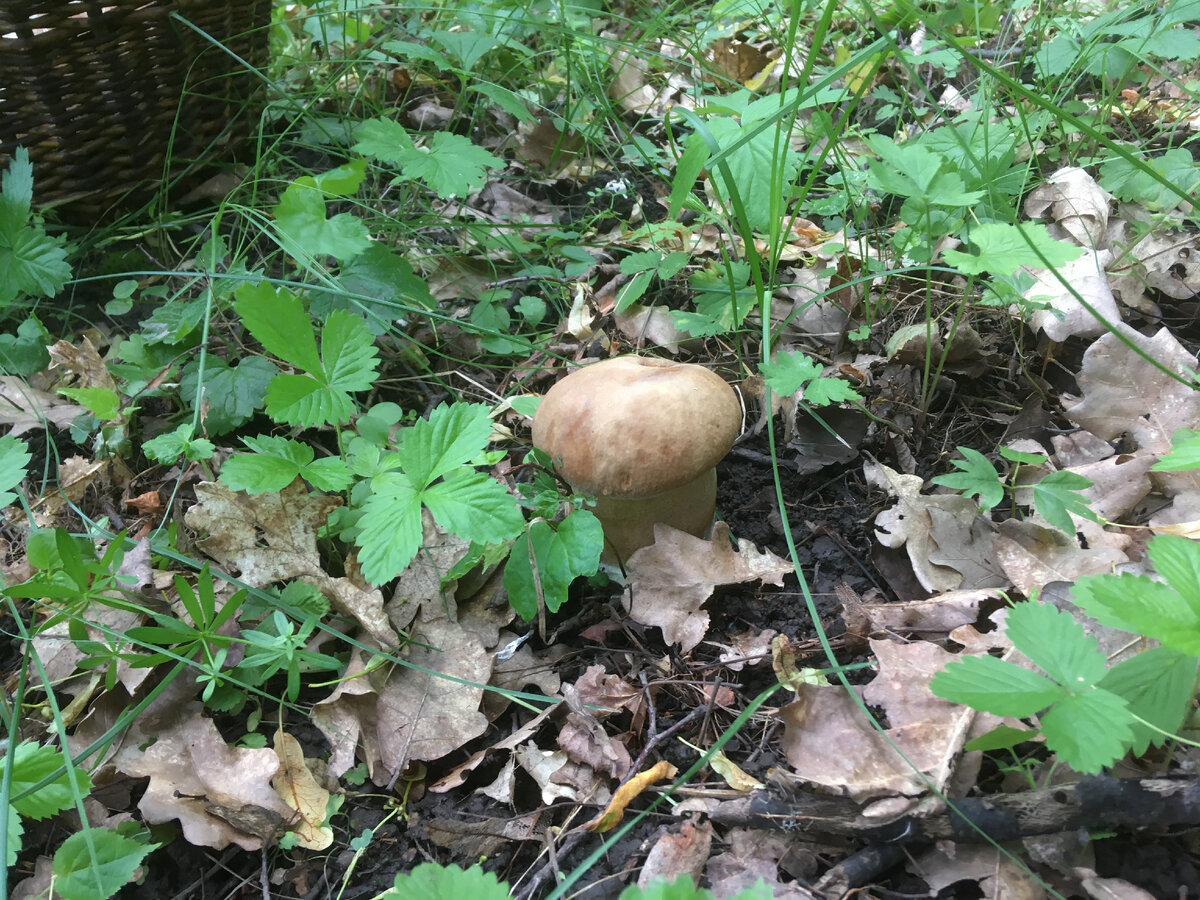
[[671, 579], [190, 768], [300, 790], [626, 793], [1123, 393], [262, 538], [676, 853]]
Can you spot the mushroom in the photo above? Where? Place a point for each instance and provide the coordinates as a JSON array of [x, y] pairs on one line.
[[644, 436]]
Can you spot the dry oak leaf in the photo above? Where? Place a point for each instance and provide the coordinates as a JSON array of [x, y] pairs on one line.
[[672, 578], [944, 535], [830, 742], [191, 769], [1034, 556], [24, 407], [678, 853], [585, 741], [1125, 393], [239, 524]]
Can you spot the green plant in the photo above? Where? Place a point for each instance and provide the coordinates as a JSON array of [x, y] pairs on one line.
[[1056, 496], [1090, 714], [91, 864], [34, 264]]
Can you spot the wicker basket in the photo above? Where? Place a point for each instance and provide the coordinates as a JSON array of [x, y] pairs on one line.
[[101, 92]]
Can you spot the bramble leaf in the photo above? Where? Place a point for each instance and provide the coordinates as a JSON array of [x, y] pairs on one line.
[[1057, 495], [1056, 643], [275, 462], [1185, 453], [1002, 249], [79, 876], [277, 319], [452, 435], [1158, 684], [977, 477]]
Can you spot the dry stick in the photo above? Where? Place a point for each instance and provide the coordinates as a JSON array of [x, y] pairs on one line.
[[1095, 801]]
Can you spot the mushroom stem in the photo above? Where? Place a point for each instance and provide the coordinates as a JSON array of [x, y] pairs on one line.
[[629, 523]]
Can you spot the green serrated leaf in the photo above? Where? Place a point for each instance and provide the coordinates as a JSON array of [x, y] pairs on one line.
[[14, 459], [475, 507], [103, 403], [277, 320], [1002, 249], [996, 686], [1002, 737], [977, 477], [169, 446], [430, 881], [303, 400], [1056, 643], [1057, 496], [348, 352], [1089, 730], [1184, 455], [1158, 684], [80, 875], [452, 435], [389, 532], [789, 372], [30, 764], [1177, 559], [1140, 605]]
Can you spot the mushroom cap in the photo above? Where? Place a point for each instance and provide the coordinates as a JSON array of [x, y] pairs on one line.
[[636, 426]]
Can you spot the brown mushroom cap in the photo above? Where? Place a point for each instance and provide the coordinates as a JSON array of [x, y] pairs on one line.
[[636, 426]]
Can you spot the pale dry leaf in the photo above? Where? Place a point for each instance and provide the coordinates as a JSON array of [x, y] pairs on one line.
[[829, 741], [192, 771], [1034, 556], [1078, 448], [520, 671], [1109, 888], [84, 362], [748, 648], [1161, 262], [347, 715], [585, 741], [1182, 517], [504, 785], [1123, 393], [423, 716], [911, 524], [363, 604], [24, 407], [421, 581], [997, 875], [457, 776], [294, 782], [671, 579], [753, 854], [541, 766], [1067, 316], [264, 538], [1072, 199], [676, 853], [482, 838], [938, 615]]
